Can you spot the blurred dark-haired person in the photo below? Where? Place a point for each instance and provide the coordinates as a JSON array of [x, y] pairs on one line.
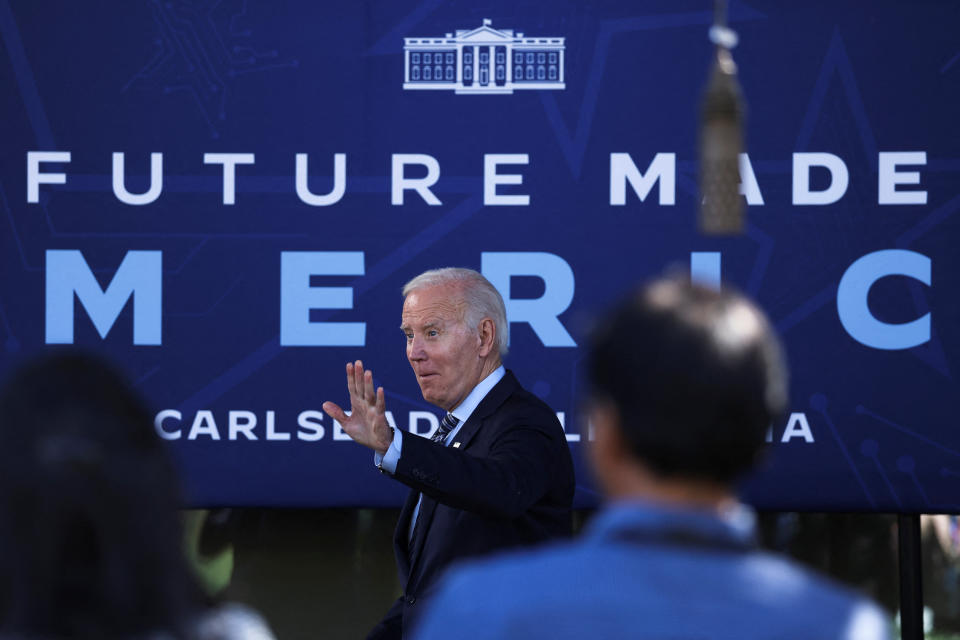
[[90, 541], [685, 381]]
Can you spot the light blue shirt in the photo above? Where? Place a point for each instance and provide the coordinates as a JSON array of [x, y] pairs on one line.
[[649, 571], [462, 412]]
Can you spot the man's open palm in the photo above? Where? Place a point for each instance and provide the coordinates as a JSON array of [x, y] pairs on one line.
[[367, 422]]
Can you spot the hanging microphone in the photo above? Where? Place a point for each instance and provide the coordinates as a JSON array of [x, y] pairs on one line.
[[721, 137]]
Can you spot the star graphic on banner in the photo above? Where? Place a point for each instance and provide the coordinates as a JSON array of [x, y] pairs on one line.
[[855, 224], [199, 50]]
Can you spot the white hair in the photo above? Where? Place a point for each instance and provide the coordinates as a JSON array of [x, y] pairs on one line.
[[482, 298]]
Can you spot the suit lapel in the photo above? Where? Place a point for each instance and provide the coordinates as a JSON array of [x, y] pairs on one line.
[[496, 397]]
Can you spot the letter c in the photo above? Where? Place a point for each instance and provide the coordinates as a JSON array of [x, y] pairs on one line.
[[158, 424], [854, 288]]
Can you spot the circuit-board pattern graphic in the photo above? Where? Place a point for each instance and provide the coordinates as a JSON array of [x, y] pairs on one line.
[[200, 48]]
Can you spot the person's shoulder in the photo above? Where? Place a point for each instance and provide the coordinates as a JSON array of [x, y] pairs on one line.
[[514, 575], [544, 557], [799, 589], [503, 591], [524, 404]]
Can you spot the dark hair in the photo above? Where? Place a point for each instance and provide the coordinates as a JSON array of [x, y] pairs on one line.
[[90, 540], [696, 376]]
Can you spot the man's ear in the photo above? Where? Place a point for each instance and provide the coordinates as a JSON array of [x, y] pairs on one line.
[[604, 420], [607, 452], [487, 334]]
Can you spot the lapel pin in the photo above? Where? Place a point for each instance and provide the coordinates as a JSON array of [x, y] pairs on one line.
[[456, 445]]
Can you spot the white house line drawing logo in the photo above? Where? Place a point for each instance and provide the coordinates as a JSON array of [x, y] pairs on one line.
[[483, 61]]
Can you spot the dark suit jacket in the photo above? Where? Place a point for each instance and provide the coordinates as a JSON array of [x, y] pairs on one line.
[[508, 483]]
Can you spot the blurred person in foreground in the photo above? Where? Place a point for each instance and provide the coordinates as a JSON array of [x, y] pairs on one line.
[[684, 382], [496, 474], [90, 540]]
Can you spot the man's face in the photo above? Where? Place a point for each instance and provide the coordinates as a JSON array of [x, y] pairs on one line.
[[445, 354]]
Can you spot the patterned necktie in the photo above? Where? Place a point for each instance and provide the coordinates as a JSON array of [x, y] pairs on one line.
[[447, 425]]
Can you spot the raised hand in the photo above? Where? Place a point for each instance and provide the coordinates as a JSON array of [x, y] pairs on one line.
[[367, 422]]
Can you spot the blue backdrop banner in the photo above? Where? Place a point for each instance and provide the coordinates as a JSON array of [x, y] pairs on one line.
[[226, 197]]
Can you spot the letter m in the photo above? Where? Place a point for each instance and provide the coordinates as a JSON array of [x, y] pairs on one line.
[[139, 276], [663, 168]]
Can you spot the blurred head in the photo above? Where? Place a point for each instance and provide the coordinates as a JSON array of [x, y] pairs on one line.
[[455, 324], [688, 379], [90, 542]]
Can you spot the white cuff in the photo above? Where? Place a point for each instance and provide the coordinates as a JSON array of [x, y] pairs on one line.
[[388, 461]]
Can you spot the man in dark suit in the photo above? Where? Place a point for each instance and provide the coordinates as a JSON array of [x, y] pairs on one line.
[[497, 473]]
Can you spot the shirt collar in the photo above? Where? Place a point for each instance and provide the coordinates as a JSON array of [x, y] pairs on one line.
[[647, 520], [463, 410]]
